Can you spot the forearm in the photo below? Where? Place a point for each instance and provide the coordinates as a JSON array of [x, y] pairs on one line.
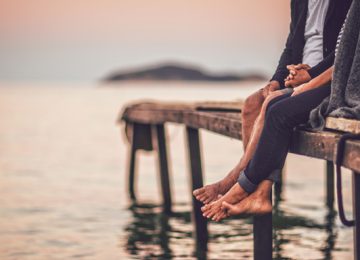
[[321, 80], [324, 65]]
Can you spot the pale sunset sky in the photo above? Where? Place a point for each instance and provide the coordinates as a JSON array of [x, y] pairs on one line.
[[84, 40]]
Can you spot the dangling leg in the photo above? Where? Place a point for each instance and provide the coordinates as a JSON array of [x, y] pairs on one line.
[[210, 192], [272, 148]]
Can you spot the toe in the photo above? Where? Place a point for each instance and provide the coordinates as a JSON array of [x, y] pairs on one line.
[[206, 213], [221, 215], [198, 197], [206, 207], [211, 214], [198, 191], [208, 200], [203, 198], [216, 217], [230, 209]]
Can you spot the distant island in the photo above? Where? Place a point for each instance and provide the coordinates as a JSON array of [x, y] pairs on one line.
[[178, 72]]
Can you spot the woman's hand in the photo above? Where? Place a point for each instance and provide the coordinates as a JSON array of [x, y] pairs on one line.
[[298, 74], [298, 90]]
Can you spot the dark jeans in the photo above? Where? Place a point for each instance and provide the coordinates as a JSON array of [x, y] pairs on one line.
[[283, 114]]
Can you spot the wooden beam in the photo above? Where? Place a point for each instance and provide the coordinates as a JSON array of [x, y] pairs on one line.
[[131, 168], [343, 124], [177, 107], [140, 135], [330, 184], [194, 158], [263, 236], [160, 142], [317, 144], [157, 113], [356, 212], [322, 145]]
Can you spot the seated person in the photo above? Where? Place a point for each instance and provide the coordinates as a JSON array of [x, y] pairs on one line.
[[314, 28], [283, 112]]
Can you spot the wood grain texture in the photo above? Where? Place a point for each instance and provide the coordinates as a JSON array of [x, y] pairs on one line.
[[343, 124], [316, 144]]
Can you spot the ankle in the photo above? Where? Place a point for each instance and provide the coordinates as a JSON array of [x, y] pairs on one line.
[[240, 196], [231, 178], [263, 195], [264, 188]]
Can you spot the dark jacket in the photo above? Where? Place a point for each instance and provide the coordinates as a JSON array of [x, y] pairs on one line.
[[293, 52]]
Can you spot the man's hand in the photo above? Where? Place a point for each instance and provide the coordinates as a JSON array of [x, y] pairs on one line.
[[271, 87], [298, 74]]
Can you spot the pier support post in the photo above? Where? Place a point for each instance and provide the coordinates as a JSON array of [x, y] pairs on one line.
[[356, 210], [194, 154], [160, 144], [139, 136], [330, 184], [132, 169], [278, 186], [263, 237]]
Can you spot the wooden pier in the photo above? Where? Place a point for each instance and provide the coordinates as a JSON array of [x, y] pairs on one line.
[[145, 130]]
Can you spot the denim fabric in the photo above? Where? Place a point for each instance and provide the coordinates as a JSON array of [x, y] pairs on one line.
[[246, 184], [282, 115]]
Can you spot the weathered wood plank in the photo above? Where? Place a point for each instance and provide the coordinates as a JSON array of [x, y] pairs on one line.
[[223, 123], [343, 124], [160, 112], [321, 144], [235, 106], [155, 112]]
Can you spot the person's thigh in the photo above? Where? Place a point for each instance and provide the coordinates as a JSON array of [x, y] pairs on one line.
[[273, 101], [297, 108]]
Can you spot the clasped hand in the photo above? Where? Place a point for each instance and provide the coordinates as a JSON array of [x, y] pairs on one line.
[[298, 74]]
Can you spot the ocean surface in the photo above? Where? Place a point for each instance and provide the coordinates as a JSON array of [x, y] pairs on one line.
[[63, 182]]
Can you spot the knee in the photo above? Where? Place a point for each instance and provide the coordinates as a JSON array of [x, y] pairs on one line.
[[276, 115], [252, 104], [268, 104], [269, 101]]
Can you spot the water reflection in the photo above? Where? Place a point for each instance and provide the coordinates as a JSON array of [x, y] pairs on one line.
[[282, 221], [149, 233], [154, 234]]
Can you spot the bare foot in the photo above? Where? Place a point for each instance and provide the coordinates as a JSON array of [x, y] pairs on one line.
[[207, 193], [255, 204], [211, 192], [214, 210]]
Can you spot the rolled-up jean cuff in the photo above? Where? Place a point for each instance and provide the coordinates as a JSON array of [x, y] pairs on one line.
[[245, 183], [275, 175]]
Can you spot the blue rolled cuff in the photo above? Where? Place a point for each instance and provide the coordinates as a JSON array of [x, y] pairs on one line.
[[245, 183]]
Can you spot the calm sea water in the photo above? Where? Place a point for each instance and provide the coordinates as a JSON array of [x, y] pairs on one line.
[[63, 175]]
